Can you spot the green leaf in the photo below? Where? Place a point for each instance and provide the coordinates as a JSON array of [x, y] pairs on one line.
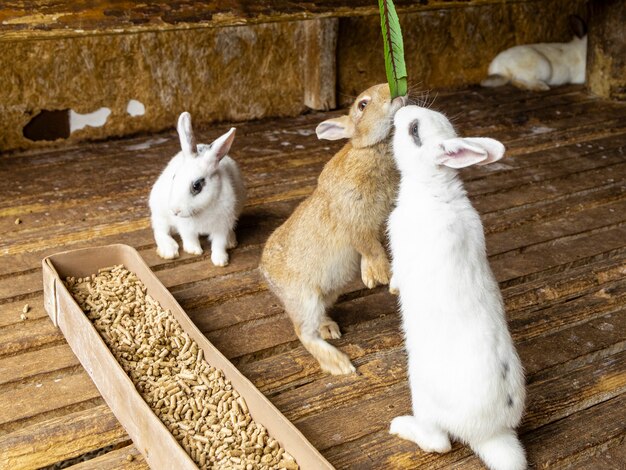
[[394, 48]]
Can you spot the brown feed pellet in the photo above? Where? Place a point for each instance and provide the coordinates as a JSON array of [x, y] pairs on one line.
[[194, 400]]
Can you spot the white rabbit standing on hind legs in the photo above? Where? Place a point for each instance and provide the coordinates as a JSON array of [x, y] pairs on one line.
[[539, 66], [200, 192], [466, 379]]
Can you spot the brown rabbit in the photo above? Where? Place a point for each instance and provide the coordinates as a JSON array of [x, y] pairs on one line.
[[309, 259]]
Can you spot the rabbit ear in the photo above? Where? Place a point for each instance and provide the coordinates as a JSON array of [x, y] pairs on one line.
[[185, 134], [221, 146], [460, 153], [335, 129]]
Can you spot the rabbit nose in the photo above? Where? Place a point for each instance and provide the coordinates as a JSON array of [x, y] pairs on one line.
[[176, 211]]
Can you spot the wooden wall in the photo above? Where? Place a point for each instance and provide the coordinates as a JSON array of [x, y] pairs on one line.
[[249, 62]]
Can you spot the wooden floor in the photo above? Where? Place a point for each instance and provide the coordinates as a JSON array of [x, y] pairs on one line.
[[555, 215]]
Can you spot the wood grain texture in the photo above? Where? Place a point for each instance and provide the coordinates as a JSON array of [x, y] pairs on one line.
[[126, 458], [555, 218], [320, 72], [607, 42], [44, 18]]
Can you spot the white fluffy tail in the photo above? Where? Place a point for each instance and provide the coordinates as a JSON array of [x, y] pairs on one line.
[[494, 81], [502, 451]]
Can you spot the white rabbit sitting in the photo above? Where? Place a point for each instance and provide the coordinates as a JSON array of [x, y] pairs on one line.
[[467, 382], [537, 66], [200, 192]]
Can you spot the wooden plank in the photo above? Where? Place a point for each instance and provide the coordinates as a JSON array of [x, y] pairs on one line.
[[249, 150], [320, 75], [28, 334], [119, 211], [539, 170], [30, 365], [603, 302], [126, 458], [525, 194], [563, 285], [595, 426], [610, 455], [586, 220], [552, 208], [20, 287], [563, 394], [11, 310], [607, 42], [384, 368], [29, 399], [60, 438], [600, 425], [24, 20], [558, 252]]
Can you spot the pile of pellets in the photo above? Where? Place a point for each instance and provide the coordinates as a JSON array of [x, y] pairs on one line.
[[193, 399]]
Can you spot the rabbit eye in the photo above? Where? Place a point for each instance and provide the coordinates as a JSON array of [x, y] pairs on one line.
[[362, 104], [197, 186], [414, 132]]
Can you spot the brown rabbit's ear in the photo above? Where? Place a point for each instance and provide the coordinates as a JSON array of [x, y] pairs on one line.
[[335, 129]]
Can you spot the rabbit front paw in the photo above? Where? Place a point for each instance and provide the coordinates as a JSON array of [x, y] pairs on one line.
[[219, 258], [193, 249], [168, 249], [232, 240], [375, 271], [329, 330]]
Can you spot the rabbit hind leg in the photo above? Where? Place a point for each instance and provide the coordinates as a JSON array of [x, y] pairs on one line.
[[531, 85], [309, 315], [328, 327], [429, 437]]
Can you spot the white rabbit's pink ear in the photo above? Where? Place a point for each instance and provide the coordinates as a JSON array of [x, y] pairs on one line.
[[185, 134], [335, 129], [221, 146], [463, 152]]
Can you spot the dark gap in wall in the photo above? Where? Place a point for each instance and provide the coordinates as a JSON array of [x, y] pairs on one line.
[[48, 125]]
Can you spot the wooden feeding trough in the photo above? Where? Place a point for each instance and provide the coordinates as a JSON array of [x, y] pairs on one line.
[[149, 434]]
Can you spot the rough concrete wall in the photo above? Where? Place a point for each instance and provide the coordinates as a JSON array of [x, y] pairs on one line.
[[606, 62], [448, 48], [233, 73]]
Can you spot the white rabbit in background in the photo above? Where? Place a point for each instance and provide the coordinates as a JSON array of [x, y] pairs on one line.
[[539, 66], [466, 379], [200, 192]]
